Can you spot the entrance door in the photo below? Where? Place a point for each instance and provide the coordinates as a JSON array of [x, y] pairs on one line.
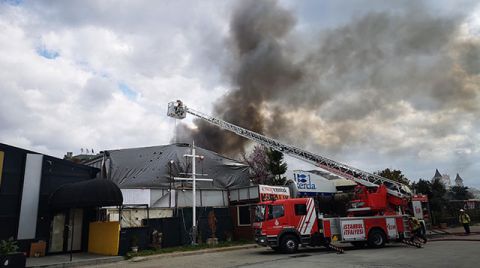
[[75, 223], [61, 233], [57, 233]]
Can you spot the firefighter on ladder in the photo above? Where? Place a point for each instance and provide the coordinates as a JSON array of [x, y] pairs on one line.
[[417, 231]]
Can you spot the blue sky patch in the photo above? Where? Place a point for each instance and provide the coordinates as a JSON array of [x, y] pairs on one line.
[[46, 53], [12, 2], [127, 91]]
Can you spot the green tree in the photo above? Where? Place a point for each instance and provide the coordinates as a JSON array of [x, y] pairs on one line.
[[394, 175], [460, 193], [438, 201], [277, 166], [423, 187]]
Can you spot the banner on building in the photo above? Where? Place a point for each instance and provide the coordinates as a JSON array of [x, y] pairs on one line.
[[270, 193]]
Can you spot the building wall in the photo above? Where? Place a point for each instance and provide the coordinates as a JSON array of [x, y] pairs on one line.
[[55, 173], [240, 232]]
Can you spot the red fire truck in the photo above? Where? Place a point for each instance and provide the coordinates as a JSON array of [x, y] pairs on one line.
[[285, 224], [376, 215]]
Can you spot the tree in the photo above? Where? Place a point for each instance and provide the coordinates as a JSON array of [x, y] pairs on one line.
[[276, 166], [259, 167], [394, 175], [460, 193], [423, 187]]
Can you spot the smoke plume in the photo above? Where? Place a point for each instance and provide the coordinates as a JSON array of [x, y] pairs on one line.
[[359, 83]]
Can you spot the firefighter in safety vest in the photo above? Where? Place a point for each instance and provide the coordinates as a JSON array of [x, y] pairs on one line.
[[465, 220], [416, 228]]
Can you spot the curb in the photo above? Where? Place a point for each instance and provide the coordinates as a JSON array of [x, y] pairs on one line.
[[189, 253], [81, 263], [453, 239]]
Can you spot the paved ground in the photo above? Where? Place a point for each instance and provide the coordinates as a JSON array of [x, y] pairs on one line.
[[447, 246], [435, 254]]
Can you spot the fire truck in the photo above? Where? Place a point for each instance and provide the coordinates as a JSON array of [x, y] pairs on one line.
[[376, 216]]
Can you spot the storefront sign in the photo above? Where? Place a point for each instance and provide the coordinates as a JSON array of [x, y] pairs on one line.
[[269, 193]]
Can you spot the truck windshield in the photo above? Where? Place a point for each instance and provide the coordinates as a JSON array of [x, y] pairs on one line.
[[259, 213]]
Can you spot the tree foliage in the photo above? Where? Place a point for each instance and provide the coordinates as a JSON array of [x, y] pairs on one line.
[[258, 163], [394, 175], [266, 166], [460, 193], [277, 166]]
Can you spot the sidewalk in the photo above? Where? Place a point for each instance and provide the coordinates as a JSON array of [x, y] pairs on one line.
[[87, 259], [79, 259], [455, 234]]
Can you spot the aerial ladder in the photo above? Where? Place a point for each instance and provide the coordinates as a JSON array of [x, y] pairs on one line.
[[375, 194]]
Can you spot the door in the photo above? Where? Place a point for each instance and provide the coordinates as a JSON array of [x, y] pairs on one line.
[[57, 233], [75, 221], [61, 233]]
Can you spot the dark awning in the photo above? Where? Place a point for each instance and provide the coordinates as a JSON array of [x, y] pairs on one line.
[[90, 193]]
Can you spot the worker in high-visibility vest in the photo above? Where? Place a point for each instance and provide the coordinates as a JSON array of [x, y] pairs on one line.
[[464, 219], [416, 228]]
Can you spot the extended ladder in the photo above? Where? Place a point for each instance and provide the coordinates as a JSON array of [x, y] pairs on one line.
[[179, 110]]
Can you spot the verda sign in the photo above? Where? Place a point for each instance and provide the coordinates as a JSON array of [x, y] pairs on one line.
[[304, 181]]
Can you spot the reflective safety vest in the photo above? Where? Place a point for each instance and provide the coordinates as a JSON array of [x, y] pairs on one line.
[[415, 224], [464, 218]]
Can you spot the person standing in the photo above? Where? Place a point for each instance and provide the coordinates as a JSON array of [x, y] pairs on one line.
[[464, 219]]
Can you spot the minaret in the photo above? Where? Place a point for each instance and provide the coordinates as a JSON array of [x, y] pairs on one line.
[[458, 181]]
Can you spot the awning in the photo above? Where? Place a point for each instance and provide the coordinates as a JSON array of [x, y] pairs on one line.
[[90, 193]]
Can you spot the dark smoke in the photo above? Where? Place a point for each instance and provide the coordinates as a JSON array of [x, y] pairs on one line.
[[353, 80], [262, 73]]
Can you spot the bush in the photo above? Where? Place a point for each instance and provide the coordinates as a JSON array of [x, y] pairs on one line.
[[8, 246]]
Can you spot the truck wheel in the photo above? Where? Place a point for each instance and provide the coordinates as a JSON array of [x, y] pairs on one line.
[[376, 238], [289, 244]]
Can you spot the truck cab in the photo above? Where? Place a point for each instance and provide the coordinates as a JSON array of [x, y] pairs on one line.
[[284, 224]]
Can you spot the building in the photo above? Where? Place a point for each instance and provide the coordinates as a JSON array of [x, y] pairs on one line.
[[41, 195], [445, 179], [153, 197], [458, 181]]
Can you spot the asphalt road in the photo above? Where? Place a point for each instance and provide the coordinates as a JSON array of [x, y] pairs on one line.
[[454, 254]]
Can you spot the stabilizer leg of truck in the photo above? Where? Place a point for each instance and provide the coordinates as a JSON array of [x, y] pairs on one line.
[[412, 243], [337, 249]]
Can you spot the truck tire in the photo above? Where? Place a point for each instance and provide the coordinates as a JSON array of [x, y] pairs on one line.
[[289, 244], [376, 238]]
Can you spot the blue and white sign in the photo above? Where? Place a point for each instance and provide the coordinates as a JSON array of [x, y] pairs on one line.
[[308, 183], [303, 181]]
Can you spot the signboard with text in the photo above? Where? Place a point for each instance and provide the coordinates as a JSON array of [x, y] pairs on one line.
[[353, 230], [270, 193]]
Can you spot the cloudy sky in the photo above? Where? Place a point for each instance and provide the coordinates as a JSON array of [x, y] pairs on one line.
[[373, 84]]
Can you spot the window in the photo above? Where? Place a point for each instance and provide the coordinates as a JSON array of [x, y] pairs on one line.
[[275, 212], [243, 213], [300, 209]]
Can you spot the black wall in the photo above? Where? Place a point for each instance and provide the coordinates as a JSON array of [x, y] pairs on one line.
[[55, 173]]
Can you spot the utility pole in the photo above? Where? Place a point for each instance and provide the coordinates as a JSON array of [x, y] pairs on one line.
[[194, 188]]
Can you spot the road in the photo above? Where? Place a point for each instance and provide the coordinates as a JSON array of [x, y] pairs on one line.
[[435, 254]]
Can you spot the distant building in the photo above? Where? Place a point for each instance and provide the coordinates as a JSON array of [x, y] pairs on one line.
[[458, 181], [444, 179]]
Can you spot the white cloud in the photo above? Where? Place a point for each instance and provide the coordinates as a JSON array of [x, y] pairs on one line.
[[168, 50]]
